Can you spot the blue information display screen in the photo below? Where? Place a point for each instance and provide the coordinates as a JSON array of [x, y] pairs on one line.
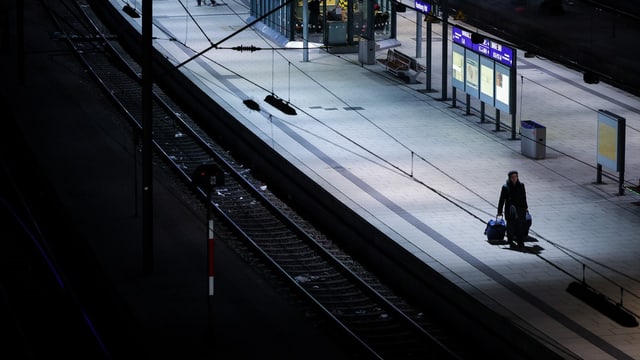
[[488, 48], [485, 70], [422, 7]]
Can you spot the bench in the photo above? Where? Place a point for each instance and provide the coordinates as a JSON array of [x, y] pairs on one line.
[[396, 63], [402, 65]]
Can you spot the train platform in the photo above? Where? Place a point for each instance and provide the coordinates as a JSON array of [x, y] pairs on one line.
[[428, 174]]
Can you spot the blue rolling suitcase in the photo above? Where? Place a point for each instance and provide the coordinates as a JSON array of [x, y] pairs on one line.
[[496, 229]]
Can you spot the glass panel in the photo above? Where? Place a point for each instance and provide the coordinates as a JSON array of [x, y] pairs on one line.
[[336, 24], [315, 17], [382, 19], [357, 20]]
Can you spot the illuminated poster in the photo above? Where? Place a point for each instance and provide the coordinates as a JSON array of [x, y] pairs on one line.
[[502, 88], [610, 140], [607, 147], [457, 67], [472, 74], [486, 80]]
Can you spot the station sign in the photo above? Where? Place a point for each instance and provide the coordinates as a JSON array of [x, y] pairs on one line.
[[422, 6], [488, 48], [485, 70]]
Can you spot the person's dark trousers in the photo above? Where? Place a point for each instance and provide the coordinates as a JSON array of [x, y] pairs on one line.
[[516, 226]]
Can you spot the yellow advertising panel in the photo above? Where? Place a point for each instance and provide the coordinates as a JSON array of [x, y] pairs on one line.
[[611, 133], [607, 141]]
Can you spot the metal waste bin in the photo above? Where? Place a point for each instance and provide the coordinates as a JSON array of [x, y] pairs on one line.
[[533, 139], [367, 51]]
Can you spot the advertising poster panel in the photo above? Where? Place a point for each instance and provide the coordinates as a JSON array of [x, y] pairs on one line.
[[484, 69], [472, 72], [610, 140], [487, 77], [502, 87], [457, 64]]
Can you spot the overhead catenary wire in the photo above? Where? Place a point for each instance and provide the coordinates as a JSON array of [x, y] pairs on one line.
[[194, 21], [408, 173], [449, 198], [248, 25], [389, 164]]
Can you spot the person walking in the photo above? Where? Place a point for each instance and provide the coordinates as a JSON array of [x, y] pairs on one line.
[[513, 199]]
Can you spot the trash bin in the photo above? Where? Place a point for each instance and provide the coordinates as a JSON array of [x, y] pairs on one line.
[[533, 139], [367, 51]]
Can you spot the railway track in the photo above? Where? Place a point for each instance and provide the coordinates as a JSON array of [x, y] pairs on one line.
[[381, 323]]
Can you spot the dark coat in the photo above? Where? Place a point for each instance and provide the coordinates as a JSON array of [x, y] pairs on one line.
[[513, 194]]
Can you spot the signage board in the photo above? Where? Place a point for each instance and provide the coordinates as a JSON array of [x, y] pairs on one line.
[[485, 70], [422, 6], [611, 133], [488, 48]]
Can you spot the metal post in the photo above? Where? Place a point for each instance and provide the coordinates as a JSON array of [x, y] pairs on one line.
[[621, 153], [135, 172], [210, 258], [445, 47], [599, 174], [513, 95], [453, 98], [428, 56], [305, 30], [394, 24], [412, 155], [418, 34], [206, 177], [20, 43], [147, 121]]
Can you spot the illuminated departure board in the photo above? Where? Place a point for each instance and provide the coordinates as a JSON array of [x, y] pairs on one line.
[[485, 70], [488, 48]]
